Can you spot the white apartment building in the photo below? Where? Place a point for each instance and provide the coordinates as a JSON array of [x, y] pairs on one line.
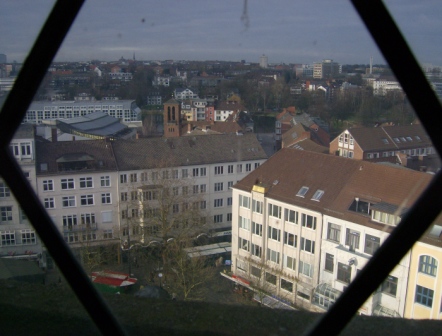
[[304, 224], [126, 110], [18, 237], [381, 86]]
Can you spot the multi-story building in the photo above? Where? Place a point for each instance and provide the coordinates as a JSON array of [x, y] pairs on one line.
[[326, 69], [424, 299], [126, 110], [77, 182], [383, 86], [226, 108], [18, 237], [264, 61], [303, 236], [185, 93], [367, 143]]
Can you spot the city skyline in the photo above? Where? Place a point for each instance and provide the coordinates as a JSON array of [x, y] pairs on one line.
[[286, 32]]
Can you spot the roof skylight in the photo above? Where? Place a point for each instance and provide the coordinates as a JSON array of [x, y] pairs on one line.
[[317, 195], [302, 191]]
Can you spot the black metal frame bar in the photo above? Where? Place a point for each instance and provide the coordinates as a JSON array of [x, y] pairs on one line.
[[34, 69], [397, 53], [428, 206]]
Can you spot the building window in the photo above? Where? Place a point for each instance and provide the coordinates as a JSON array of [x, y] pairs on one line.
[[144, 176], [229, 217], [217, 218], [203, 188], [273, 256], [271, 278], [87, 199], [154, 176], [329, 262], [257, 164], [248, 167], [203, 171], [334, 232], [8, 238], [106, 198], [49, 203], [174, 174], [123, 196], [67, 184], [123, 178], [28, 237], [306, 269], [244, 201], [290, 239], [230, 169], [229, 201], [389, 286], [87, 219], [71, 237], [287, 285], [239, 168], [185, 190], [175, 208], [428, 265], [244, 223], [243, 244], [165, 174], [219, 186], [289, 262], [6, 213], [108, 234], [48, 185], [196, 172], [68, 201], [229, 184], [291, 216], [257, 229], [371, 244], [424, 296], [274, 211], [133, 177], [203, 205], [352, 239], [218, 170], [86, 182], [302, 191], [218, 203], [307, 245], [184, 173], [257, 206], [274, 233], [69, 221], [256, 250], [105, 181], [344, 273], [308, 221]]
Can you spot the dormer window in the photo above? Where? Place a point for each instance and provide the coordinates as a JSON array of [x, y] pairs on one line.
[[317, 195], [387, 213], [397, 140], [384, 140], [409, 138], [302, 191]]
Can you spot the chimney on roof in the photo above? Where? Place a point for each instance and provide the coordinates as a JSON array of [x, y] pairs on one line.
[[189, 127], [54, 134]]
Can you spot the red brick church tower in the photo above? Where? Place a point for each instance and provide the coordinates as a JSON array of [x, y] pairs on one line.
[[172, 118]]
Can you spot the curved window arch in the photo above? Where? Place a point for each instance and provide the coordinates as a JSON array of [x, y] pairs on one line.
[[427, 265]]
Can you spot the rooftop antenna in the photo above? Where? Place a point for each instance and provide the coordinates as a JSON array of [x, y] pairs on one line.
[[371, 65]]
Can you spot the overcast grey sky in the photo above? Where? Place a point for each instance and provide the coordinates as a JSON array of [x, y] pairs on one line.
[[289, 31]]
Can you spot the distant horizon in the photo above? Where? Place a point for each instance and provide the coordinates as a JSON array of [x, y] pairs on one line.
[[288, 32]]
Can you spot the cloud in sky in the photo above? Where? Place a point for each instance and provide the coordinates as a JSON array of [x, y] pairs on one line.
[[289, 31]]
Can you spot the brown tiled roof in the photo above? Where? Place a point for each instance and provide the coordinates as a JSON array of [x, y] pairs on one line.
[[229, 106], [149, 153], [370, 138], [50, 152], [340, 178], [309, 145], [295, 134], [215, 127]]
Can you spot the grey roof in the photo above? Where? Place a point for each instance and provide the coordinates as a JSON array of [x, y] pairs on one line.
[[97, 123], [25, 131], [40, 105], [389, 208], [149, 153]]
